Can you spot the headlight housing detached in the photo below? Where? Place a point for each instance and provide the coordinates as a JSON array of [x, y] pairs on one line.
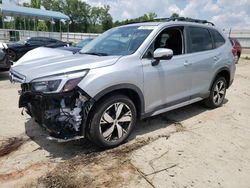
[[59, 82]]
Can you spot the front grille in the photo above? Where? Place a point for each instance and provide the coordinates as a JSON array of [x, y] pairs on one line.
[[16, 77]]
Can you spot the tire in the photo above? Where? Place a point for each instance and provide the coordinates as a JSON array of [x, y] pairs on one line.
[[112, 121], [12, 56], [217, 93]]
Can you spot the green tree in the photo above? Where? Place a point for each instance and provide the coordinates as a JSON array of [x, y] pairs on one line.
[[175, 15], [83, 17], [41, 26], [146, 17], [106, 18], [35, 3], [152, 15], [77, 10]]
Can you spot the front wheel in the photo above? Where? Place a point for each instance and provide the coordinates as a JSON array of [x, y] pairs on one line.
[[112, 121], [217, 93], [12, 55]]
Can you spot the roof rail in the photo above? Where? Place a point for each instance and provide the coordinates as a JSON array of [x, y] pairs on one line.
[[184, 20]]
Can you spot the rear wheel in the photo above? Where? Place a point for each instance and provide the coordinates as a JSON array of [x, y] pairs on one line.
[[112, 121], [217, 93]]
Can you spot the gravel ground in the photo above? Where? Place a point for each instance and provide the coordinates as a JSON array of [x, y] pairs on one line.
[[187, 147]]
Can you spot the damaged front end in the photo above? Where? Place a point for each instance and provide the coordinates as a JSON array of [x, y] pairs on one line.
[[55, 101], [63, 114]]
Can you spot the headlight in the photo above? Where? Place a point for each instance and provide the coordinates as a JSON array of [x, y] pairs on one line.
[[59, 83], [46, 86]]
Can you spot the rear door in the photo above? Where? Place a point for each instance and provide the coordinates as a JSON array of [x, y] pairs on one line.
[[202, 59]]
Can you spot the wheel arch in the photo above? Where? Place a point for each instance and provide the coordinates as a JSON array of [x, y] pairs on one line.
[[130, 90], [225, 72]]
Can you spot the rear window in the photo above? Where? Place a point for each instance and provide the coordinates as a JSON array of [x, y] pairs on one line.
[[200, 39], [218, 39]]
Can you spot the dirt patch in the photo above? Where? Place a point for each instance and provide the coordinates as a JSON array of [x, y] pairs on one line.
[[10, 145], [113, 166], [21, 173], [179, 127]]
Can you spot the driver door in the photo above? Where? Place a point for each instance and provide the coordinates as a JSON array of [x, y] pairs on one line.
[[169, 82]]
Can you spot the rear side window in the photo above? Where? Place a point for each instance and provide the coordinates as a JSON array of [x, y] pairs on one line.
[[200, 39], [218, 39]]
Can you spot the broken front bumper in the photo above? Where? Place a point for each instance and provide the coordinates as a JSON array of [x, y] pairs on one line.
[[63, 115]]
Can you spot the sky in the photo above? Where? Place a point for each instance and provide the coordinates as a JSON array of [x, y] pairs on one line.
[[224, 13]]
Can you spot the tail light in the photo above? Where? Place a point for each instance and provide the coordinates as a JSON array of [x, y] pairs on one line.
[[234, 49]]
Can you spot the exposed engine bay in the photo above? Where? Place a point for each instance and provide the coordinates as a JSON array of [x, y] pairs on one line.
[[64, 115]]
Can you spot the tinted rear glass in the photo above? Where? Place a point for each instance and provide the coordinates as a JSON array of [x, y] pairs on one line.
[[218, 39], [200, 39]]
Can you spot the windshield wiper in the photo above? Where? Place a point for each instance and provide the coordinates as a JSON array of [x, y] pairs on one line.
[[94, 53]]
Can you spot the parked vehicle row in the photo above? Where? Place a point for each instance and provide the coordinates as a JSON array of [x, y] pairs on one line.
[[16, 50], [4, 62], [127, 73], [12, 52]]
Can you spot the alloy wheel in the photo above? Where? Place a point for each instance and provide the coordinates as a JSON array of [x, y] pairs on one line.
[[219, 92], [115, 122], [12, 55]]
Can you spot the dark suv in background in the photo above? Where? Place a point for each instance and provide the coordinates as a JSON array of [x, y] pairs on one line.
[[4, 63], [16, 50]]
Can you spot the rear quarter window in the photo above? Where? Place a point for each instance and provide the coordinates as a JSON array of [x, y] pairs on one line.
[[217, 38], [200, 39]]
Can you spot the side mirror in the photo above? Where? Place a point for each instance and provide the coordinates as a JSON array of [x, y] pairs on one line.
[[162, 54]]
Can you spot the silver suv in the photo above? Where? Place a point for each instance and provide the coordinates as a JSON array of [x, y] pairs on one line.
[[128, 73]]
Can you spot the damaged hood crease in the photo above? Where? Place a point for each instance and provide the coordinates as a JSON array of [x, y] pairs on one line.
[[61, 62]]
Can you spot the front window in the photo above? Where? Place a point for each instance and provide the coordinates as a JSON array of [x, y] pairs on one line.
[[118, 41], [170, 38]]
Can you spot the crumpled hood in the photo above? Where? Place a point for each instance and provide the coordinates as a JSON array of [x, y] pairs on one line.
[[48, 66], [41, 53]]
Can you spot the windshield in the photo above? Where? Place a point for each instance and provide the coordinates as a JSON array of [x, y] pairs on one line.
[[118, 41], [21, 42], [83, 43]]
